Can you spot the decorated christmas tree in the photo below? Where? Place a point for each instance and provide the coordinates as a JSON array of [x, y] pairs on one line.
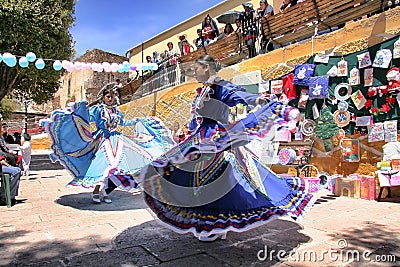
[[326, 127]]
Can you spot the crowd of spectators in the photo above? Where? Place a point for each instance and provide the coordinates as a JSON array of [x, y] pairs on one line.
[[247, 26]]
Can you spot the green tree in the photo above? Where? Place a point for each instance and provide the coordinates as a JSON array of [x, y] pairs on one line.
[[326, 128], [41, 27], [6, 108]]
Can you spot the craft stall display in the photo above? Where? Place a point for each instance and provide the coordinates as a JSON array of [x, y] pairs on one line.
[[347, 97]]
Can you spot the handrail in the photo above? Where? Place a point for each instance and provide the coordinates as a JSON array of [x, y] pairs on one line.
[[296, 23]]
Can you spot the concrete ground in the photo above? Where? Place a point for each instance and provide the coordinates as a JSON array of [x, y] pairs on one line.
[[59, 226]]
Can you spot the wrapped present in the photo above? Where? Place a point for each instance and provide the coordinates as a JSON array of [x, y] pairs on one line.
[[395, 162], [332, 181], [367, 187], [312, 184], [348, 187]]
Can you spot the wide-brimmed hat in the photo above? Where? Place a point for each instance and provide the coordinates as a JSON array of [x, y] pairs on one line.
[[247, 4], [182, 35]]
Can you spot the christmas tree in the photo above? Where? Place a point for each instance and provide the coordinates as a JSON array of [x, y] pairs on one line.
[[326, 127]]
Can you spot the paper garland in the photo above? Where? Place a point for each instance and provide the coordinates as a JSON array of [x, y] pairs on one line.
[[11, 61]]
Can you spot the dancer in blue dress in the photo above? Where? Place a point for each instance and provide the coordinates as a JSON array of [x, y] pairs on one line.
[[105, 158], [212, 183]]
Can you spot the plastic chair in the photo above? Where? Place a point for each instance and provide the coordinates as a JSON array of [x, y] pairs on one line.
[[5, 186]]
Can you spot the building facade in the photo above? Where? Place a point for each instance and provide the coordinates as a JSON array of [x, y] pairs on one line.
[[86, 84]]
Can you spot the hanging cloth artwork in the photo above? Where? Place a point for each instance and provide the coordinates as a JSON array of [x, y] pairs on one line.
[[319, 87], [342, 68], [321, 59], [382, 58], [302, 74], [276, 87], [304, 96], [390, 131], [332, 72], [376, 132], [368, 77], [263, 87], [354, 76], [364, 60], [396, 49], [359, 99], [289, 88]]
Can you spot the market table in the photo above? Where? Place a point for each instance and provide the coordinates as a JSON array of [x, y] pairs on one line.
[[388, 179]]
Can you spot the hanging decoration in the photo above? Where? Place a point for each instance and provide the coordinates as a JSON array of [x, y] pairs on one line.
[[396, 49], [319, 87], [11, 61], [342, 118], [350, 150], [364, 60], [342, 91], [354, 76], [382, 58], [342, 68], [358, 99], [326, 128], [343, 106], [376, 132], [368, 77]]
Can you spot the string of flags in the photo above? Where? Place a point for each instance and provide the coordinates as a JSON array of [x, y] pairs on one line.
[[11, 61]]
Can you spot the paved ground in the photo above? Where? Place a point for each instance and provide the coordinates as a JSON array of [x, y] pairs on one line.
[[58, 226]]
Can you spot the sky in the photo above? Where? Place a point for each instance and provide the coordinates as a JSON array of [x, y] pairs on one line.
[[118, 25]]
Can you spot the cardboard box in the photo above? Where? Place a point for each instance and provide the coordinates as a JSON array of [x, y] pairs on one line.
[[347, 187]]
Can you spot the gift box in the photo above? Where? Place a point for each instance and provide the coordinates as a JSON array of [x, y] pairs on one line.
[[347, 187], [312, 183], [367, 187], [395, 162]]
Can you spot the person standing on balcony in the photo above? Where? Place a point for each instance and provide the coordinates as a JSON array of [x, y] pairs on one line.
[[210, 29], [264, 11], [106, 158], [286, 4], [172, 56], [248, 22]]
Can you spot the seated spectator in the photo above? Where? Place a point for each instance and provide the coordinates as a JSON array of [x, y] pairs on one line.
[[10, 156], [17, 138], [210, 30], [199, 41], [15, 177], [286, 4], [228, 31]]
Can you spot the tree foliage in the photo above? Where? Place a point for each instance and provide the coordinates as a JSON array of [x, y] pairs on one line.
[[41, 27], [6, 108]]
